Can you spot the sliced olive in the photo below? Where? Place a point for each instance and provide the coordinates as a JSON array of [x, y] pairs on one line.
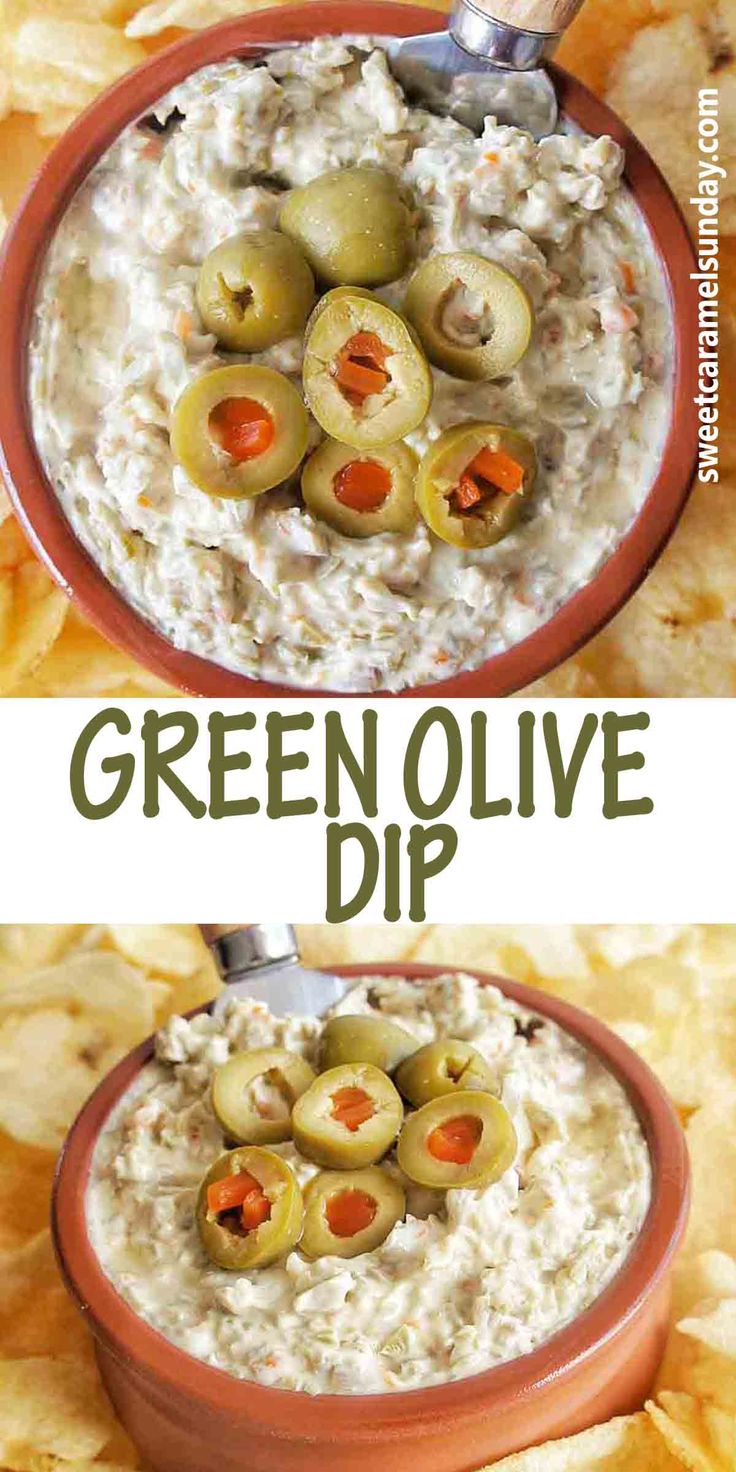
[[255, 289], [240, 430], [361, 493], [348, 1118], [249, 1209], [440, 1068], [474, 318], [473, 482], [253, 1094], [364, 1039], [462, 1139], [366, 378], [349, 1212], [353, 226]]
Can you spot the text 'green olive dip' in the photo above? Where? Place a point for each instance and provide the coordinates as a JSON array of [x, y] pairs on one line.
[[493, 280], [307, 1226]]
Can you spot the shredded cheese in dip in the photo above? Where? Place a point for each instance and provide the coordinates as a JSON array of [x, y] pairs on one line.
[[259, 585], [469, 1279]]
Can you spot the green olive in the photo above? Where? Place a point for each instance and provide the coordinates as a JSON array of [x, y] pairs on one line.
[[240, 430], [474, 481], [348, 1118], [349, 1212], [361, 494], [442, 1068], [253, 1094], [364, 1039], [352, 225], [462, 1139], [474, 318], [249, 1209], [255, 289], [366, 378]]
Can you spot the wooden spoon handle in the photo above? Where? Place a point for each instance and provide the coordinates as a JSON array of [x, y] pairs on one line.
[[549, 17], [213, 933], [239, 948]]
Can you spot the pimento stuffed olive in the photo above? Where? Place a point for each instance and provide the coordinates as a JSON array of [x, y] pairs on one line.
[[444, 1067], [249, 1209], [364, 1039], [473, 317], [348, 1118], [255, 289], [352, 225], [366, 378], [253, 1094], [349, 1212], [462, 1139], [239, 431], [474, 481], [361, 493]]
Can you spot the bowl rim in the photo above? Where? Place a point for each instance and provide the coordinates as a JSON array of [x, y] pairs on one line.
[[130, 1339], [35, 502]]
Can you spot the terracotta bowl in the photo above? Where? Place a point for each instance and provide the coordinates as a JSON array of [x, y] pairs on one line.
[[25, 247], [188, 1417]]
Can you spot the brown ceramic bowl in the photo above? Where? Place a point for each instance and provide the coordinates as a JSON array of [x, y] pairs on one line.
[[65, 169], [188, 1417]]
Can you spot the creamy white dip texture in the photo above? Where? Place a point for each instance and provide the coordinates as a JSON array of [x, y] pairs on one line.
[[469, 1279], [260, 586]]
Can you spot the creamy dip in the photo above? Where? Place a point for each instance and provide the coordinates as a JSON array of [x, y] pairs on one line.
[[469, 1279], [260, 586]]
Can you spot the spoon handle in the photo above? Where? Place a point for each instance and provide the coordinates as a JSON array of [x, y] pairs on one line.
[[546, 17], [241, 948]]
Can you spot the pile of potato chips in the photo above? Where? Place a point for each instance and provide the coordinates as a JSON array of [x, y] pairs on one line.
[[648, 57], [75, 998]]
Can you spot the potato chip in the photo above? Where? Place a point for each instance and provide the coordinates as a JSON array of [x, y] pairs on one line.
[[655, 89], [715, 1327], [620, 1445], [82, 662], [325, 946], [29, 1275], [32, 612], [680, 1423], [174, 950], [25, 1188], [712, 1144], [14, 12], [59, 64], [51, 1407], [29, 946], [75, 1020], [189, 15]]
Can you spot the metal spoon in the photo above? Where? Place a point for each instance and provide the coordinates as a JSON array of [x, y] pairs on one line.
[[487, 63], [262, 962]]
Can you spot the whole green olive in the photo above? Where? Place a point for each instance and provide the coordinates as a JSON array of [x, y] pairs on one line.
[[360, 1038], [353, 226], [442, 1067], [255, 289]]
